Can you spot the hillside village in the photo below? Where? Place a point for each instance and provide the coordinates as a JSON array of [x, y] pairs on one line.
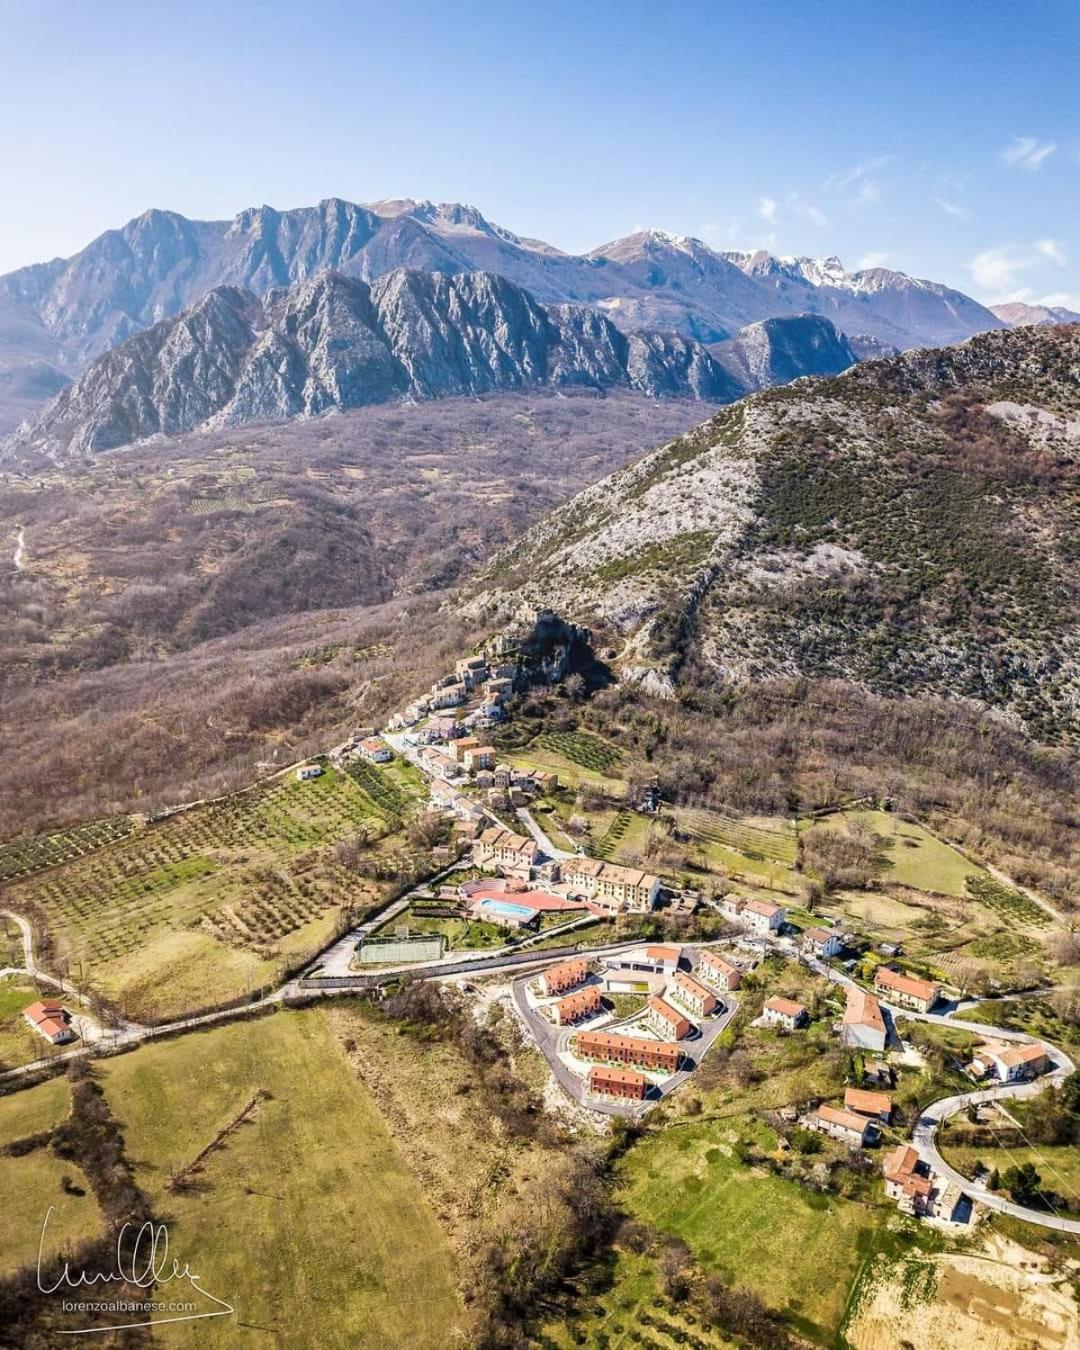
[[618, 1060]]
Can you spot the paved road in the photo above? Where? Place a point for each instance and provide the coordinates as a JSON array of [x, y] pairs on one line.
[[550, 848]]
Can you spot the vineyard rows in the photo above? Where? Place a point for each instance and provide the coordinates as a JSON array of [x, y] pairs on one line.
[[716, 828]]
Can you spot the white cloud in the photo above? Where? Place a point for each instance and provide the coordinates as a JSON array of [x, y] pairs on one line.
[[1060, 300], [951, 209], [849, 177], [1026, 152], [1050, 248], [767, 208], [818, 217], [872, 260], [996, 269]]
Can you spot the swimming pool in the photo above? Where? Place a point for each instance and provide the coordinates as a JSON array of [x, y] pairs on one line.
[[507, 909]]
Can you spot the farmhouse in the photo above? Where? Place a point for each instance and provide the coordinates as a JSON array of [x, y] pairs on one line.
[[876, 1105], [847, 1126], [50, 1020], [822, 943], [613, 1049], [306, 771], [582, 1003], [784, 1012], [905, 990], [863, 1026], [760, 916], [906, 1180], [375, 749], [623, 1084], [692, 995], [567, 975], [1010, 1064], [611, 888], [666, 1020], [717, 971]]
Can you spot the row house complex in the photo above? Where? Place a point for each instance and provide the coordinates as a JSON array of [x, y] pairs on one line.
[[665, 1020], [573, 1007], [610, 887], [567, 975], [692, 995], [622, 1084], [610, 1048], [501, 848]]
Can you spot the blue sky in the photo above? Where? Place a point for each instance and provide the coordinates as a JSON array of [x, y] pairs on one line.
[[939, 138]]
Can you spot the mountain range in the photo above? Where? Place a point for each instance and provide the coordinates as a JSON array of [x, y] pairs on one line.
[[334, 342], [55, 317], [909, 526], [1019, 315]]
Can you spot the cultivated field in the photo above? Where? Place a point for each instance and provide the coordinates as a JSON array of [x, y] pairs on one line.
[[214, 901], [306, 1218]]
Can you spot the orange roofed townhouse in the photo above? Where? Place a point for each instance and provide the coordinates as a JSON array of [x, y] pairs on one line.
[[479, 757], [563, 977], [666, 1020], [623, 1084], [876, 1105], [692, 995], [716, 970], [573, 1007], [784, 1012], [375, 749], [905, 991], [863, 1026], [610, 888], [906, 1180], [634, 1050], [847, 1126]]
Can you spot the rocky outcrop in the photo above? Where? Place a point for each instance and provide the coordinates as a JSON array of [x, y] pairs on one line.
[[334, 342]]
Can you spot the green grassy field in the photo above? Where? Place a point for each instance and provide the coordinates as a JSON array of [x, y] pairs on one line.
[[798, 1250], [19, 1044], [915, 858], [464, 934], [28, 1187], [214, 901], [571, 774], [33, 1109], [306, 1218]]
